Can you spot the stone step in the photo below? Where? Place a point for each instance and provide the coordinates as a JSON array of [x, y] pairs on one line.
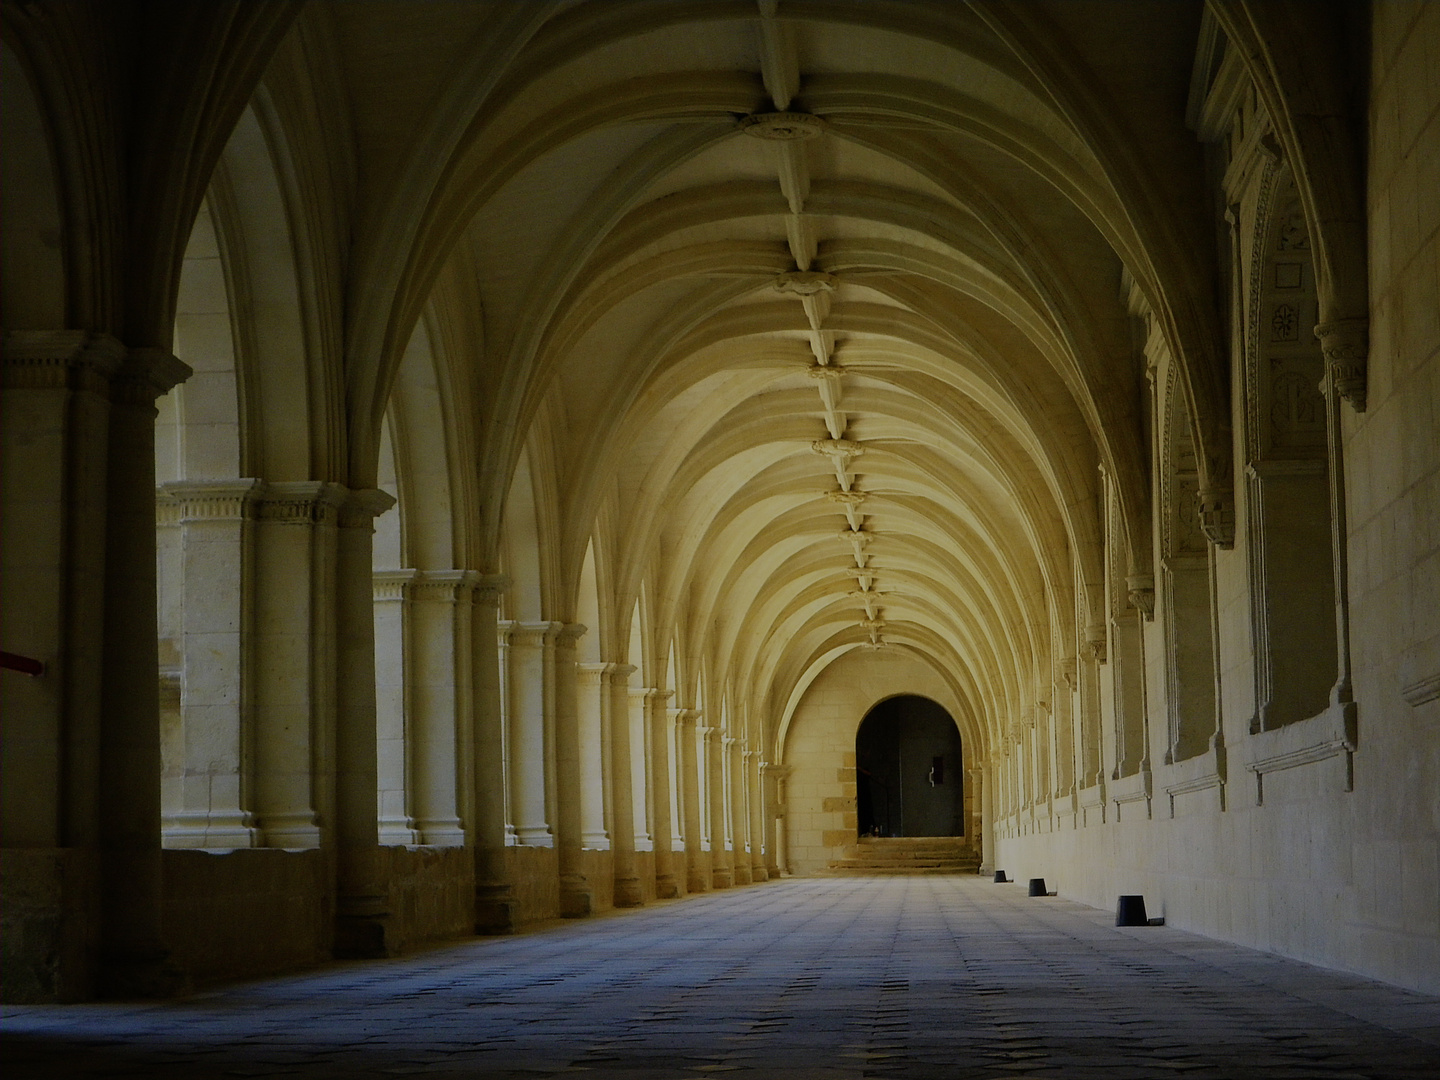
[[877, 856]]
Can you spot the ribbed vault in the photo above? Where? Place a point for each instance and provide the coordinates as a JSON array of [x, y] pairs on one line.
[[821, 353]]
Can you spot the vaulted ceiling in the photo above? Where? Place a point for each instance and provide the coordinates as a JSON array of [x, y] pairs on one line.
[[815, 315]]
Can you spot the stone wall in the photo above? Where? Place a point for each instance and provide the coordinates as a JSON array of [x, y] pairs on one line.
[[246, 913], [819, 747], [1345, 878]]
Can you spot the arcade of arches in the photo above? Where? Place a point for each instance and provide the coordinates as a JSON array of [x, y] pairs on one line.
[[467, 463]]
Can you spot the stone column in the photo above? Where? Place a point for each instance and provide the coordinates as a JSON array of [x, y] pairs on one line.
[[494, 896], [504, 633], [693, 806], [439, 689], [984, 840], [133, 959], [775, 839], [657, 718], [754, 826], [576, 894], [206, 789], [362, 902], [294, 656], [391, 592], [622, 838], [641, 793], [721, 867], [592, 708], [738, 798], [54, 424], [675, 753], [529, 647]]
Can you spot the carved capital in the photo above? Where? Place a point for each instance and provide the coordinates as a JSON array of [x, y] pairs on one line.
[[1096, 643], [593, 675], [1346, 345], [300, 502], [57, 359], [187, 501], [782, 126], [569, 635], [620, 674], [1216, 508], [1066, 671], [490, 588], [442, 586], [363, 506], [1141, 590], [391, 585], [145, 375]]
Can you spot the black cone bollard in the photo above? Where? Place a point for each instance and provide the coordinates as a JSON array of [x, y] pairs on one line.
[[1037, 887], [1130, 911], [1000, 878]]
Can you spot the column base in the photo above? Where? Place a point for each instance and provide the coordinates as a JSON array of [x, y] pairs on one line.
[[363, 928], [759, 874], [721, 877], [628, 892], [577, 899], [741, 875], [666, 887], [494, 909]]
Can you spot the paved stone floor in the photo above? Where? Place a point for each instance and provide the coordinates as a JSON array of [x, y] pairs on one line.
[[823, 979]]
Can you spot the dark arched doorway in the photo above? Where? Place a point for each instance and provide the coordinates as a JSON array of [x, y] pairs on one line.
[[908, 772]]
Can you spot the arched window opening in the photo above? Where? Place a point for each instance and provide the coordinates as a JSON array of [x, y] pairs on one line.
[[1287, 475], [909, 770]]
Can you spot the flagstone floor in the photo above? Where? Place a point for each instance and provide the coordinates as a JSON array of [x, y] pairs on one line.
[[944, 977]]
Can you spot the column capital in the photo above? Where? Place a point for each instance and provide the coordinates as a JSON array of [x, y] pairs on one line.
[[593, 674], [1346, 345], [184, 501], [299, 502], [569, 635], [682, 715], [443, 586], [57, 359], [490, 588], [362, 506], [533, 635], [505, 630], [772, 768], [145, 375], [391, 584], [620, 674]]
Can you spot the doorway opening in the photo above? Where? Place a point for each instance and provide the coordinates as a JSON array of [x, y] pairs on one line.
[[908, 770]]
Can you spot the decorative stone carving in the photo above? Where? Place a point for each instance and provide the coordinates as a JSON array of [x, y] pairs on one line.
[[848, 498], [1095, 643], [1067, 670], [1141, 590], [805, 282], [490, 588], [855, 537], [827, 372], [1217, 516], [1346, 345], [782, 126], [844, 449]]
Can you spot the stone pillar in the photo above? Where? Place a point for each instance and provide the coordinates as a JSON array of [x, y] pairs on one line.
[[693, 806], [133, 958], [641, 793], [592, 707], [576, 892], [54, 424], [294, 655], [206, 788], [439, 689], [627, 877], [776, 842], [738, 818], [661, 785], [675, 752], [362, 902], [530, 644], [721, 867], [984, 841], [755, 818], [494, 895], [391, 592], [504, 633]]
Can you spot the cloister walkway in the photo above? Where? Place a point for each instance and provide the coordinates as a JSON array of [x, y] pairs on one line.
[[838, 978]]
